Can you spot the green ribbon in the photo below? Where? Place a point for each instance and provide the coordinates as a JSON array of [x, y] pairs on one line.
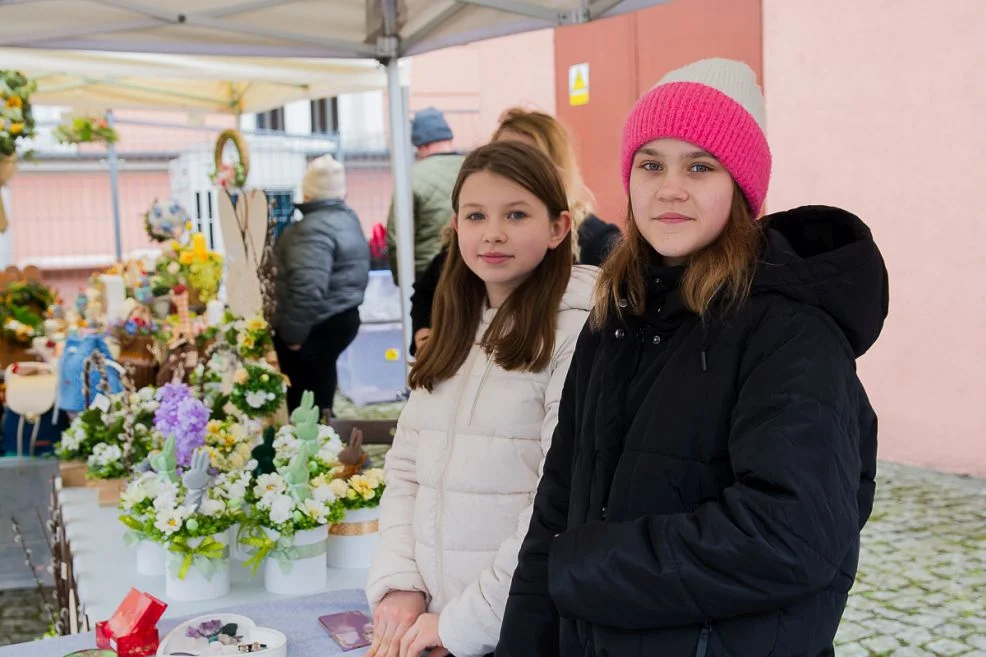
[[206, 556], [283, 550], [136, 533]]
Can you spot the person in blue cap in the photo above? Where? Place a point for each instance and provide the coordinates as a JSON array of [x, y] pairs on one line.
[[432, 179]]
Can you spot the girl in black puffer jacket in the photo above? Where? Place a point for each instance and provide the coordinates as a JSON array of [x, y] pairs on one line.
[[715, 454]]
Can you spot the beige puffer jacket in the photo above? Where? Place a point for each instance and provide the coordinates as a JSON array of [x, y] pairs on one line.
[[461, 479]]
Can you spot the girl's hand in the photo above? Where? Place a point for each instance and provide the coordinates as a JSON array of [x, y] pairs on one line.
[[422, 636], [392, 619]]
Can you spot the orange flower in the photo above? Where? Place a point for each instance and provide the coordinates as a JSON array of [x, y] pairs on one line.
[[16, 128], [15, 101]]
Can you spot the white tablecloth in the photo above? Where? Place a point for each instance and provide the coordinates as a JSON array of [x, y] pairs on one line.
[[106, 569]]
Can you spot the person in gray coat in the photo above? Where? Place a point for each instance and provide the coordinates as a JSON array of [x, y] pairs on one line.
[[323, 265]]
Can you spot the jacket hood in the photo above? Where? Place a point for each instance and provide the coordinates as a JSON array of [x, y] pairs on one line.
[[581, 291], [826, 257]]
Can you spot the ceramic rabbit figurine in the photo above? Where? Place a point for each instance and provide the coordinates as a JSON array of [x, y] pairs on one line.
[[196, 479], [296, 475], [165, 463]]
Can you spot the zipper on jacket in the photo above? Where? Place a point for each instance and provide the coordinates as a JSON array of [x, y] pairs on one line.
[[703, 641], [440, 491], [482, 382]]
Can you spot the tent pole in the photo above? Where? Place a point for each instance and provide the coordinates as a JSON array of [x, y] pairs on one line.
[[114, 164], [400, 159]]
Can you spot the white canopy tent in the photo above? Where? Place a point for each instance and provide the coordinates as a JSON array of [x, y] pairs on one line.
[[385, 30], [91, 80]]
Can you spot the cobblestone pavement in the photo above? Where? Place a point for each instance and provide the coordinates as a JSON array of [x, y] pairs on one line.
[[921, 589], [22, 617]]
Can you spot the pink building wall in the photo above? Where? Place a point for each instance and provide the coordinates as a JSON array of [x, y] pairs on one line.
[[878, 107]]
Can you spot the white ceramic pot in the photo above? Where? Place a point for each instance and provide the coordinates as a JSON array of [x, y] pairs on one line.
[[150, 558], [298, 576], [351, 542], [196, 585]]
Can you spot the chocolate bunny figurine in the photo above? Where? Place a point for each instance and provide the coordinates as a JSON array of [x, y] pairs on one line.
[[353, 456]]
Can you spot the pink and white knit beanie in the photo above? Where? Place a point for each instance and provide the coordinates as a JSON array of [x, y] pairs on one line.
[[716, 105]]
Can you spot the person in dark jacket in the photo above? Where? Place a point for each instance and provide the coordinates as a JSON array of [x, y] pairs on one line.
[[595, 237], [715, 455], [323, 265]]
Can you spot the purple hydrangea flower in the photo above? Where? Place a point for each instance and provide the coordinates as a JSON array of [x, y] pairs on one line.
[[192, 418]]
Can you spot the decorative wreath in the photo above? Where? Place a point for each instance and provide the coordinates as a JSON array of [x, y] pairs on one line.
[[231, 175]]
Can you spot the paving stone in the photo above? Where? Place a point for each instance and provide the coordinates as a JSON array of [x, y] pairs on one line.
[[911, 651], [947, 648], [881, 645]]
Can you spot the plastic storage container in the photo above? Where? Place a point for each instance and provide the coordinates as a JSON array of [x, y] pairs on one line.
[[382, 299], [371, 370]]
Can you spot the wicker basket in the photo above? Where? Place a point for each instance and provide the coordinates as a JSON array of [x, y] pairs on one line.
[[14, 352], [109, 490], [73, 473], [137, 352]]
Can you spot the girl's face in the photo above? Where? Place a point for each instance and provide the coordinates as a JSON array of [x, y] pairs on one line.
[[504, 232], [680, 196]]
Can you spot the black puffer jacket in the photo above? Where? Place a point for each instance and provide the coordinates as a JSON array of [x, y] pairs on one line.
[[707, 483]]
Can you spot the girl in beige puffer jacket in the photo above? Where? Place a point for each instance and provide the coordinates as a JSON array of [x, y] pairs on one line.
[[470, 443]]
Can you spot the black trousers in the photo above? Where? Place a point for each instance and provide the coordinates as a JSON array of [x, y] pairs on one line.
[[313, 367]]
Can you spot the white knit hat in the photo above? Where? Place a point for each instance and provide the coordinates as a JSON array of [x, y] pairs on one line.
[[325, 178]]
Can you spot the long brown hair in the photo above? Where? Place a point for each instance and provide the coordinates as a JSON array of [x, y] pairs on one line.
[[554, 141], [721, 272], [522, 333]]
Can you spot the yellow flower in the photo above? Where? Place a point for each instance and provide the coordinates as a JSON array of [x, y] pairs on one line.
[[214, 427], [186, 257], [175, 246], [15, 101], [255, 324], [339, 488], [362, 486], [16, 128]]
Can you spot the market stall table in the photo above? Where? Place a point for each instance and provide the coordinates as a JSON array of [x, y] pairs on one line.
[[105, 568], [297, 618]]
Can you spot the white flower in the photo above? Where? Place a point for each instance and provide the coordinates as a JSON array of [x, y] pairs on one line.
[[324, 494], [72, 438], [281, 507], [256, 398], [329, 451], [286, 445], [236, 491], [147, 394], [165, 501], [269, 484], [315, 510], [211, 507], [133, 495], [171, 520], [103, 455]]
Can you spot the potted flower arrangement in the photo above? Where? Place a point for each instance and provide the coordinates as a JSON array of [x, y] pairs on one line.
[[95, 438], [258, 390], [285, 528], [16, 123], [86, 130], [191, 264], [254, 339], [23, 305], [194, 524], [351, 540], [140, 503], [16, 118]]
